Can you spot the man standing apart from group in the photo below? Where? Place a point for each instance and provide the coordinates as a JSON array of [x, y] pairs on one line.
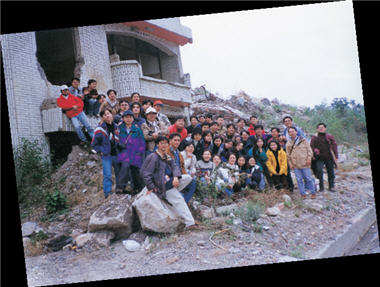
[[325, 149]]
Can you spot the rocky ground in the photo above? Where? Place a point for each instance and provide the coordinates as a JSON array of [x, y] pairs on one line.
[[299, 230], [289, 229]]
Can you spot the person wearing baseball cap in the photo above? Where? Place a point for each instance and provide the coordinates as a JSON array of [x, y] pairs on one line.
[[72, 106], [160, 116], [152, 128]]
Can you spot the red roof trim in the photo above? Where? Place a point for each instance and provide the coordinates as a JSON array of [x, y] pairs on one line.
[[159, 32]]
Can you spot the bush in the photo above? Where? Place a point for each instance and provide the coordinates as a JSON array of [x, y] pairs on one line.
[[251, 211], [31, 167], [55, 201]]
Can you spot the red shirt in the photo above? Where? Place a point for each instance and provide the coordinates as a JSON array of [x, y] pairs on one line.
[[173, 129], [68, 103], [251, 130]]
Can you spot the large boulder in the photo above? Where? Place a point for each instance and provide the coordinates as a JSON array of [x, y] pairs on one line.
[[156, 215], [114, 215]]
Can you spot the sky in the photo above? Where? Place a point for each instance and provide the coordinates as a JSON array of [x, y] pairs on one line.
[[302, 55]]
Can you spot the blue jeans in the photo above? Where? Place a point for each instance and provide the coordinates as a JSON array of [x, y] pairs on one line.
[[77, 120], [189, 190], [109, 162], [304, 174]]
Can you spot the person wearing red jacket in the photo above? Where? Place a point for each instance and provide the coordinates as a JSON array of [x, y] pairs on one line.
[[179, 127], [72, 106], [252, 124]]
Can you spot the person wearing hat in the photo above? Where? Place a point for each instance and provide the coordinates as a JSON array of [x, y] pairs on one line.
[[152, 129], [160, 116], [130, 155], [72, 106]]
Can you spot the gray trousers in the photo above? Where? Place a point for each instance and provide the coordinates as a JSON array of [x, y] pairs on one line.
[[174, 196]]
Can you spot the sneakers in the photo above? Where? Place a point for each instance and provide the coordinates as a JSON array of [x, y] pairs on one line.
[[303, 196], [313, 196], [332, 189]]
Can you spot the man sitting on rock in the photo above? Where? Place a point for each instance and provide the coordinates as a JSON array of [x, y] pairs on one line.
[[163, 177], [173, 152]]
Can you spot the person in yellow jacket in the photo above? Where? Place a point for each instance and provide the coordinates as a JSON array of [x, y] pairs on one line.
[[277, 165]]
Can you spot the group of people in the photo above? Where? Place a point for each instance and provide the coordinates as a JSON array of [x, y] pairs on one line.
[[147, 152]]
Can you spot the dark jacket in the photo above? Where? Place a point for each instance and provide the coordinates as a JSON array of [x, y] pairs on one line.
[[153, 172], [253, 139], [101, 142], [321, 144], [255, 171], [198, 150]]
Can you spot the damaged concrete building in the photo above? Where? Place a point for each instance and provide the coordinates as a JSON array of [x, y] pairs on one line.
[[140, 56]]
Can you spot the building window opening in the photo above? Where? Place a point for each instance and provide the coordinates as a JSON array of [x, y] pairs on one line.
[[56, 55], [130, 48]]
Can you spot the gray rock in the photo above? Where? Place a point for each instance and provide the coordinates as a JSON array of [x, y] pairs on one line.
[[28, 228], [273, 211], [206, 212], [103, 239], [156, 215], [237, 221], [315, 206], [201, 243], [223, 210], [114, 215], [131, 245], [286, 198], [82, 239], [140, 237], [234, 250]]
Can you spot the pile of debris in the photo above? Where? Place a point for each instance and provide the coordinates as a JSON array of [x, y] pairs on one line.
[[269, 113]]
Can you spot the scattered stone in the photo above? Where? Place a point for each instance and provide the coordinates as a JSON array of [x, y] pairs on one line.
[[156, 215], [206, 212], [280, 206], [103, 239], [201, 243], [75, 233], [28, 228], [266, 228], [315, 206], [140, 237], [131, 245], [286, 198], [223, 210], [91, 164], [237, 221], [114, 215], [26, 241], [82, 239], [273, 211]]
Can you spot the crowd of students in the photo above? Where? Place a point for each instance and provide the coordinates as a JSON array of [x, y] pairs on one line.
[[145, 149]]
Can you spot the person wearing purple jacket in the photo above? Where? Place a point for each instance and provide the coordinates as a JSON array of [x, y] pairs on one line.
[[162, 176], [325, 153]]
